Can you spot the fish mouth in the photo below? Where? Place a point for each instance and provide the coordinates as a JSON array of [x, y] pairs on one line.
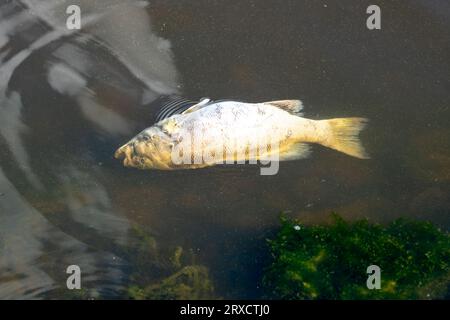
[[125, 153], [131, 158]]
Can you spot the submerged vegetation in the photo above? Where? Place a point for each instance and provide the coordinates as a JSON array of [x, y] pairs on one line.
[[318, 262], [189, 283], [182, 277], [330, 261]]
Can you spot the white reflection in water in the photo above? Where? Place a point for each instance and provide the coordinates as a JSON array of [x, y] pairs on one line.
[[28, 269], [65, 80], [148, 56], [104, 118], [90, 204], [125, 27], [137, 47], [12, 130], [34, 252]]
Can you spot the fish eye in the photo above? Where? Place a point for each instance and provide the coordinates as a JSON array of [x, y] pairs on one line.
[[145, 138]]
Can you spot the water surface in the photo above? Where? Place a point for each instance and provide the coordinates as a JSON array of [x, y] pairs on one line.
[[69, 99]]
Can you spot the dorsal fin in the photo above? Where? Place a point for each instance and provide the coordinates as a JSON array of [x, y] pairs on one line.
[[177, 105], [198, 106], [292, 106]]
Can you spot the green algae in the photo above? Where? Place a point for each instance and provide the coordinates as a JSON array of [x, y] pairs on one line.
[[330, 261], [180, 276], [189, 283]]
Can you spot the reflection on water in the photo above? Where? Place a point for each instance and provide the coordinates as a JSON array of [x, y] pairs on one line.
[[35, 253], [68, 99]]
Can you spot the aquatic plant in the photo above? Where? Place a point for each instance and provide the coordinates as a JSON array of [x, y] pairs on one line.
[[191, 282], [330, 261], [182, 278]]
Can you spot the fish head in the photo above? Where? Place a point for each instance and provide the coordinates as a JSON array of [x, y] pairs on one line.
[[150, 149]]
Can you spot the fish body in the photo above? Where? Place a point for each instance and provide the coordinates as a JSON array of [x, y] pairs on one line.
[[235, 132]]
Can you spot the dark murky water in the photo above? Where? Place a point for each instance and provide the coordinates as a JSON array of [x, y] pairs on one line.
[[68, 100]]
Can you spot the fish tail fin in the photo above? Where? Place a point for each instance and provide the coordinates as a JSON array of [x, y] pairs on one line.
[[343, 136]]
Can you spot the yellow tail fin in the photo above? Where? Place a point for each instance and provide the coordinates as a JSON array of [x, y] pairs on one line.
[[344, 136]]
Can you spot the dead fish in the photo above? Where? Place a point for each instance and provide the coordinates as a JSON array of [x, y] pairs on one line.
[[209, 133]]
